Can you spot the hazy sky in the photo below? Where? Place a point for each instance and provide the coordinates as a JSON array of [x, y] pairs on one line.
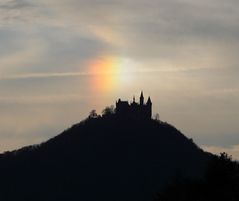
[[61, 58]]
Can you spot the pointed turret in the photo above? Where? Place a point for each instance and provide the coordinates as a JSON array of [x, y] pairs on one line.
[[141, 99], [149, 102], [149, 107]]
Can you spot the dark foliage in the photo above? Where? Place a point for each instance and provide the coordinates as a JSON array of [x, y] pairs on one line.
[[108, 111], [102, 158], [220, 183]]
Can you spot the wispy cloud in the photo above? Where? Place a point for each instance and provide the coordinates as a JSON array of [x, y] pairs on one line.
[[44, 75], [16, 4], [42, 99], [15, 11]]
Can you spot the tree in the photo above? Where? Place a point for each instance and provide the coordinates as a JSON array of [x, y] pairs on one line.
[[93, 114], [109, 110], [220, 183]]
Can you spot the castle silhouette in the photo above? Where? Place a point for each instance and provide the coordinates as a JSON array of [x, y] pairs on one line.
[[135, 110]]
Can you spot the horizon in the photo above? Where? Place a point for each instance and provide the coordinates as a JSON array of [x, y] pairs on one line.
[[61, 59]]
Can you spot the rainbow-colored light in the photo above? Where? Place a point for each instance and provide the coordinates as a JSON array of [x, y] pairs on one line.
[[108, 73]]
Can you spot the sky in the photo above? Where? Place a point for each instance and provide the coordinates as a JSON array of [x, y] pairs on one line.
[[59, 59]]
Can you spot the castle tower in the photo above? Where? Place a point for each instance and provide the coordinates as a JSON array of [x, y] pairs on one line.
[[141, 99], [149, 102], [149, 107]]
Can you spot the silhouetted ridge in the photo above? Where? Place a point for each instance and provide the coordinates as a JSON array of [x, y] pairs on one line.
[[103, 158]]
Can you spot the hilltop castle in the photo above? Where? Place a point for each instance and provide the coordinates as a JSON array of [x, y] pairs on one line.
[[135, 110]]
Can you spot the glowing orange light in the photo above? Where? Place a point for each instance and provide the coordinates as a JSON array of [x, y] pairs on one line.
[[105, 73]]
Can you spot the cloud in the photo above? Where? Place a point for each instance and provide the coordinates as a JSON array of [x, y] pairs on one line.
[[192, 33], [16, 4], [186, 31], [21, 57], [20, 11], [44, 75]]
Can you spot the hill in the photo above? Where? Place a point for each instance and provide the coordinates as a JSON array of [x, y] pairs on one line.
[[103, 158]]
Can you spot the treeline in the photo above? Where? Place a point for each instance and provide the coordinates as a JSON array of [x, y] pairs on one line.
[[221, 183]]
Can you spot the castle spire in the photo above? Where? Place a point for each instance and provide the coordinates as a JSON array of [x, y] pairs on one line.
[[141, 99], [149, 101]]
